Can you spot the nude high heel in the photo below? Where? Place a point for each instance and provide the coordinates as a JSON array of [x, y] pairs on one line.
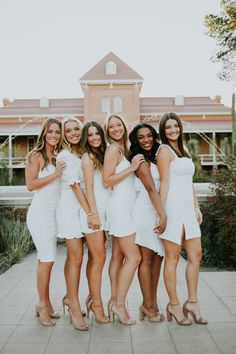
[[78, 321], [43, 313], [169, 314], [187, 311], [158, 318], [66, 302], [99, 313], [114, 311]]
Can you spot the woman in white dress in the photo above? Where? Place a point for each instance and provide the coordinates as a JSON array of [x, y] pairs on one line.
[[94, 145], [184, 216], [150, 219], [43, 177], [118, 173], [72, 200]]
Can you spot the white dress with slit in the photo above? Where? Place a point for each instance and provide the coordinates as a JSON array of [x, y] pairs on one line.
[[41, 217], [180, 201]]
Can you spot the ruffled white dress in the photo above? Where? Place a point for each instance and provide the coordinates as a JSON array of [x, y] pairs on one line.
[[69, 208], [180, 201], [102, 197], [121, 204], [145, 217], [41, 217]]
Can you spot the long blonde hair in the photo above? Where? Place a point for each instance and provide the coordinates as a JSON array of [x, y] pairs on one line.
[[122, 149], [64, 143], [40, 146]]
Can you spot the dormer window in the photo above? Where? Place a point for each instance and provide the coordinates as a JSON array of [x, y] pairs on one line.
[[111, 68]]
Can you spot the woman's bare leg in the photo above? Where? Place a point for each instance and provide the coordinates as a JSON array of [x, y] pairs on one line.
[[115, 265]]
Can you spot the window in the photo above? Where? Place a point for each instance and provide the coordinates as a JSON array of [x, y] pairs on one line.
[[179, 100], [44, 102], [117, 104], [111, 68], [105, 104], [31, 143]]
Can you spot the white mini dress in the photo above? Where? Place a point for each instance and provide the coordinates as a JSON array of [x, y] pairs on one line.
[[69, 208], [41, 217], [145, 217], [121, 204], [102, 197], [180, 201]]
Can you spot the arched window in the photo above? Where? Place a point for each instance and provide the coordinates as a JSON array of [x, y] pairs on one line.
[[105, 104], [111, 68], [117, 104]]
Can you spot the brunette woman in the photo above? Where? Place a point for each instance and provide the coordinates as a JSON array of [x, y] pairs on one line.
[[184, 216], [42, 177], [72, 200], [94, 146], [118, 173], [150, 219]]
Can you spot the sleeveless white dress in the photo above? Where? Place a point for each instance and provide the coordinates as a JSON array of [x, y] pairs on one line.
[[121, 204], [145, 216], [102, 197], [41, 217], [180, 201], [68, 209]]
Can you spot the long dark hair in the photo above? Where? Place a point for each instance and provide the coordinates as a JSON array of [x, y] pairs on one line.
[[135, 147], [40, 146], [98, 154], [162, 131]]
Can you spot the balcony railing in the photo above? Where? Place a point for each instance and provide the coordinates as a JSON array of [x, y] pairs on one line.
[[210, 159], [16, 162]]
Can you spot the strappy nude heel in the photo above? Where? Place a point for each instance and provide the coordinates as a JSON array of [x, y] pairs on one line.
[[99, 313], [78, 321], [169, 314], [186, 311], [43, 313], [157, 318], [114, 312], [66, 303]]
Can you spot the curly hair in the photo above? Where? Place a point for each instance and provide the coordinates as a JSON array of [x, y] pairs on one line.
[[135, 147], [96, 154]]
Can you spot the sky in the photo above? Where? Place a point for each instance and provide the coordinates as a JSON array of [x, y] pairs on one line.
[[47, 45]]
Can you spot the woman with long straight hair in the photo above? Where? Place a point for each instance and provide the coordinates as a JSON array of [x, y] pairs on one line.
[[150, 219], [72, 200], [118, 173], [43, 177], [184, 216], [94, 145]]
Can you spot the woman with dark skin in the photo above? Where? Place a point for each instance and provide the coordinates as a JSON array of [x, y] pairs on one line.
[[184, 217], [150, 219]]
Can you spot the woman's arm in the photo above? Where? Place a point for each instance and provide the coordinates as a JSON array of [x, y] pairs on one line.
[[88, 171], [163, 164], [144, 174], [32, 169], [111, 161], [196, 206]]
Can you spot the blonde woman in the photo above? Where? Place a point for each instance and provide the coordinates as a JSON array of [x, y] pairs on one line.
[[72, 200], [43, 177], [118, 173], [94, 146]]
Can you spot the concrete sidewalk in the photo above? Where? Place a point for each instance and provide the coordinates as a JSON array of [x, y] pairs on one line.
[[21, 332]]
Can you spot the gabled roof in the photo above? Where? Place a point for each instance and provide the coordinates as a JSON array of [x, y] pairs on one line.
[[98, 72]]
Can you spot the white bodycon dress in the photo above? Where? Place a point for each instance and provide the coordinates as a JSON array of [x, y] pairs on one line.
[[68, 210], [145, 217], [121, 204], [41, 217], [180, 201]]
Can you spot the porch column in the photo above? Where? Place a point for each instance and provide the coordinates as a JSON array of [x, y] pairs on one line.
[[10, 166], [214, 152]]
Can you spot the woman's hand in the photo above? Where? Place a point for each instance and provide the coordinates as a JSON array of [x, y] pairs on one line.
[[198, 215], [136, 161], [60, 166], [96, 222], [161, 224]]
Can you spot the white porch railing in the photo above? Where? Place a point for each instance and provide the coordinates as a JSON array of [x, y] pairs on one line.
[[16, 162], [211, 159]]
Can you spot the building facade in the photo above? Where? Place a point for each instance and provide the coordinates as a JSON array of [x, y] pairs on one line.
[[112, 86]]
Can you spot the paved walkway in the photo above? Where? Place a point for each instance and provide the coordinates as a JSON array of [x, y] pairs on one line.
[[21, 333]]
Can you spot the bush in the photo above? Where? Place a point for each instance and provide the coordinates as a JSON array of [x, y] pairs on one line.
[[219, 221], [15, 242]]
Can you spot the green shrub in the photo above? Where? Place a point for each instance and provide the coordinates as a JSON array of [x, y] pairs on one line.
[[15, 242], [219, 221]]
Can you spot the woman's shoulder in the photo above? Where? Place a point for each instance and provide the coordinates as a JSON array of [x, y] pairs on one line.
[[63, 153]]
